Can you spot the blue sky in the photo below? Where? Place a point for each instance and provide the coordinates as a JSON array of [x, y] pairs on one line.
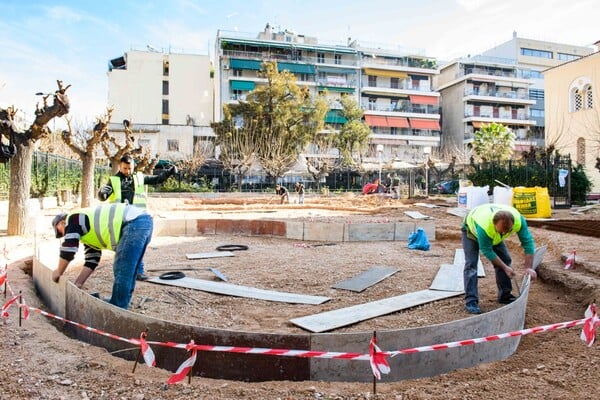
[[73, 40]]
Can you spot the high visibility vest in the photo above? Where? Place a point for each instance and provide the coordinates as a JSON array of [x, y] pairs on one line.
[[139, 192], [484, 217], [105, 225]]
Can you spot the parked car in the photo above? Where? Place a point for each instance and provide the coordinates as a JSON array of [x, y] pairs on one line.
[[448, 187]]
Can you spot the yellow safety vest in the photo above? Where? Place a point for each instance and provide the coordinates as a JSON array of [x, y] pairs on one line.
[[484, 215], [139, 191], [105, 225]]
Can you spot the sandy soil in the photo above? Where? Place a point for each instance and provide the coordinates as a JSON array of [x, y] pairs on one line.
[[39, 362]]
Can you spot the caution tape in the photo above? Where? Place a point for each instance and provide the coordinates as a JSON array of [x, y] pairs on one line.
[[375, 355]]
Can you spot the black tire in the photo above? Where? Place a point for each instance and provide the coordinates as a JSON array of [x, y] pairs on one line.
[[172, 275], [232, 247]]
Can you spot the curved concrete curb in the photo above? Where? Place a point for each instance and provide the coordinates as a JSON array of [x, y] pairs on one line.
[[66, 300]]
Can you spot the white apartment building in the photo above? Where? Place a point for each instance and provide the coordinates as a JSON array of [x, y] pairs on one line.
[[480, 90], [532, 57], [167, 97], [392, 86]]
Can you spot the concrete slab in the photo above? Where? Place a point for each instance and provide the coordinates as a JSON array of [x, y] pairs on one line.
[[212, 254], [416, 215], [323, 231], [369, 232], [241, 291], [365, 279], [459, 259], [330, 320], [538, 256], [449, 278]]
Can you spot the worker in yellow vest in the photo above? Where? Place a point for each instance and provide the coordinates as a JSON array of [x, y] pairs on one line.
[[484, 229], [127, 186], [121, 228]]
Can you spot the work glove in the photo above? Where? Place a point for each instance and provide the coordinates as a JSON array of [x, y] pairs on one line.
[[105, 191]]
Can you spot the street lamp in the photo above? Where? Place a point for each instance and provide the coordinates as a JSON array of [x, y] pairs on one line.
[[379, 153], [427, 151]]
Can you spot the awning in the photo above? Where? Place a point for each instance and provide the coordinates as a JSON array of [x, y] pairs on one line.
[[522, 147], [397, 122], [376, 120], [335, 117], [333, 70], [296, 68], [338, 89], [476, 124], [386, 72], [425, 124], [242, 85], [236, 63], [424, 100]]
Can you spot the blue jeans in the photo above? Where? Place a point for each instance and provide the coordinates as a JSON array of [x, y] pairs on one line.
[[503, 282], [135, 236]]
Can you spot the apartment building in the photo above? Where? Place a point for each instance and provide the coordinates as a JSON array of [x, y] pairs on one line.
[[573, 112], [393, 88], [479, 90], [168, 99], [532, 57]]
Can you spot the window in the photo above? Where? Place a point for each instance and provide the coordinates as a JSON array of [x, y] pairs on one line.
[[165, 87], [581, 151], [580, 94], [321, 58], [172, 145], [531, 74], [536, 94], [165, 107], [394, 83], [567, 57], [536, 53], [588, 97], [338, 58], [372, 103], [237, 72], [535, 113], [165, 67], [372, 81]]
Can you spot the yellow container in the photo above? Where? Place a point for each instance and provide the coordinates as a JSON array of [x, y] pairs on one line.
[[533, 202]]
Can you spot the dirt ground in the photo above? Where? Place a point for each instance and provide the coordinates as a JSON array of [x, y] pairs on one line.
[[39, 362]]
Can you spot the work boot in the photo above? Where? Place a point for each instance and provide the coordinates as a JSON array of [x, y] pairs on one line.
[[507, 299], [473, 308], [142, 277]]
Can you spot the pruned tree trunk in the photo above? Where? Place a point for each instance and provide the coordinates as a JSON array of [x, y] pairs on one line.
[[88, 162], [20, 163], [20, 185]]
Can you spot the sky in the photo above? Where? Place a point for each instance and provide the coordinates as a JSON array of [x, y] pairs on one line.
[[43, 41]]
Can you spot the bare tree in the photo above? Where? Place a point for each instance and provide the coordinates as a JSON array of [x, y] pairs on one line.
[[188, 168], [319, 162], [115, 149], [22, 143], [85, 144], [237, 145]]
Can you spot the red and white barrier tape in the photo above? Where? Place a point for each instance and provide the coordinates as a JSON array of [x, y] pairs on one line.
[[376, 357]]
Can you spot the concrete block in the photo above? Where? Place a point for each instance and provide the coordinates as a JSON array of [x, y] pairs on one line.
[[369, 232], [323, 231]]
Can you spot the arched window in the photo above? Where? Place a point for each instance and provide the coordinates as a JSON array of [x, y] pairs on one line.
[[588, 97], [580, 94], [581, 151]]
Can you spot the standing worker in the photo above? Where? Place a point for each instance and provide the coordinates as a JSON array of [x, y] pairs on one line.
[[121, 228], [128, 187], [282, 192], [484, 229], [300, 190]]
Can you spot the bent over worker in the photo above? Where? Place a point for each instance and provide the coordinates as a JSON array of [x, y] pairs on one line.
[[118, 227], [484, 229]]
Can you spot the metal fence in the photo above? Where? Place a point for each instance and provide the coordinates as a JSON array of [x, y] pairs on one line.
[[50, 175]]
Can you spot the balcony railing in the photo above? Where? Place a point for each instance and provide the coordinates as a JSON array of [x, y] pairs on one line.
[[402, 85], [494, 93], [519, 116], [268, 56], [410, 108]]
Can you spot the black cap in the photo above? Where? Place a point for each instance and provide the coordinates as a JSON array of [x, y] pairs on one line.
[[60, 217]]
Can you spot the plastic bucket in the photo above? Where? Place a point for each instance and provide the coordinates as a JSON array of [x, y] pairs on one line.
[[503, 195]]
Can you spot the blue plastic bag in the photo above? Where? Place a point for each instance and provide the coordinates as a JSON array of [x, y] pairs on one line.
[[418, 240]]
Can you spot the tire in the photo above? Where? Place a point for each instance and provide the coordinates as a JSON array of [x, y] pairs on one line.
[[232, 247], [172, 275]]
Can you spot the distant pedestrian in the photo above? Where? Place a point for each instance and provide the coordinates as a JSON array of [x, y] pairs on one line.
[[282, 192], [300, 190]]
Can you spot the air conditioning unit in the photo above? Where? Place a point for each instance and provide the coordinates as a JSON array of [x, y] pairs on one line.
[[225, 66]]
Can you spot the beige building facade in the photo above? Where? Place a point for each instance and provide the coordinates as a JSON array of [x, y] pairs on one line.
[[167, 97], [572, 106]]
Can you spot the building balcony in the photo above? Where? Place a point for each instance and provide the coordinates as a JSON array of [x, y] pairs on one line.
[[271, 56], [401, 108], [511, 97]]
